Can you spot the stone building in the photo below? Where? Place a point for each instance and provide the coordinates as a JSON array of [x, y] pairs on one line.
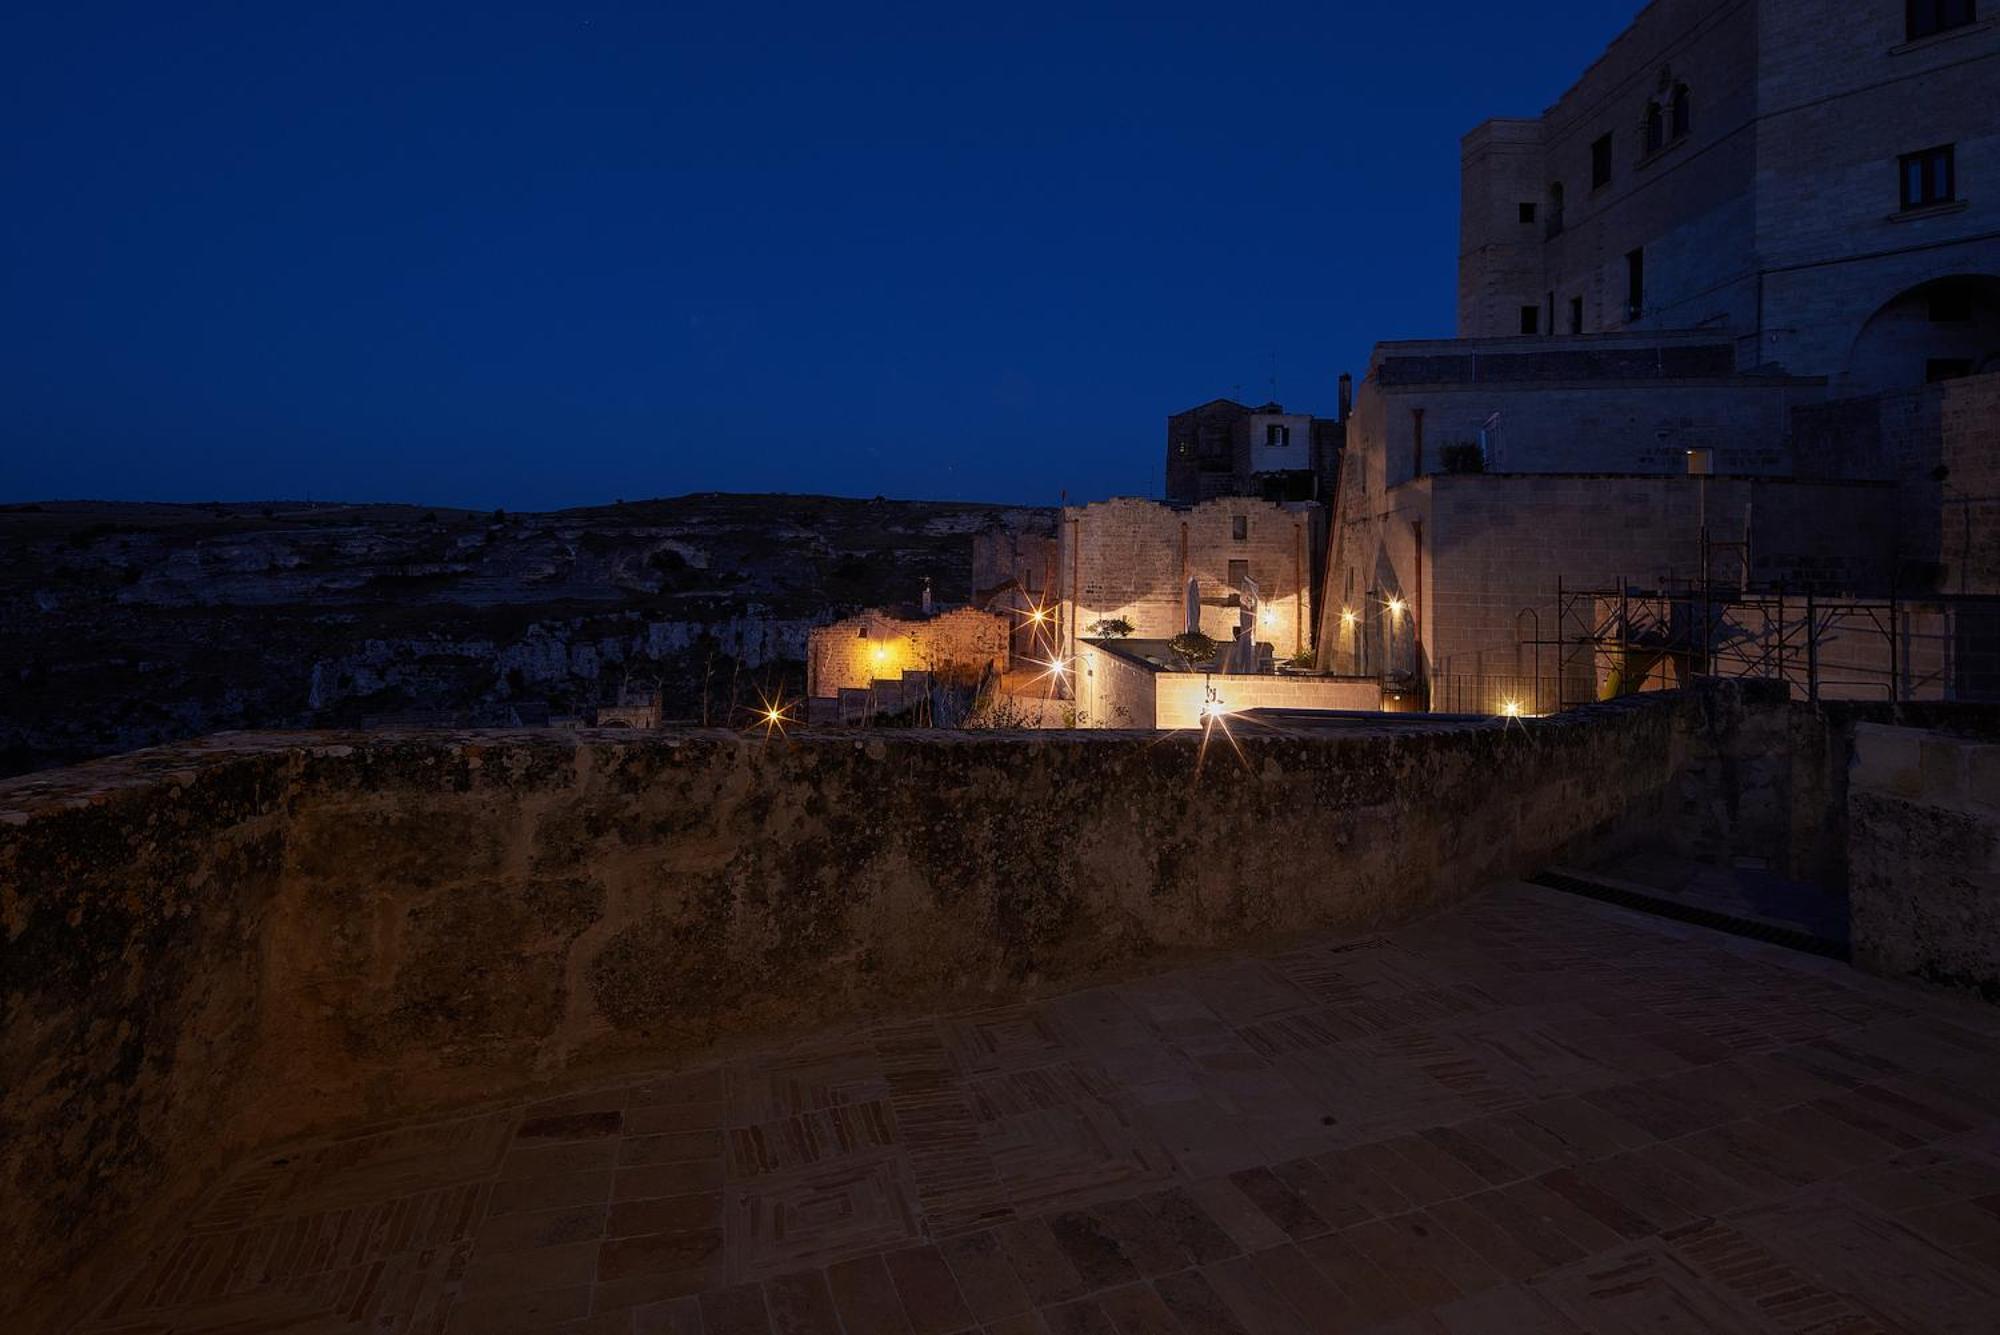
[[1131, 560], [1816, 183], [882, 645], [1482, 475], [1225, 448]]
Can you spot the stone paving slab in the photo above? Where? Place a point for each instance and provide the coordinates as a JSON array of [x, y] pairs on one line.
[[1531, 1113]]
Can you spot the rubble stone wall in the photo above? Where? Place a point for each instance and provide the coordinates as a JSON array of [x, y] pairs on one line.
[[228, 944]]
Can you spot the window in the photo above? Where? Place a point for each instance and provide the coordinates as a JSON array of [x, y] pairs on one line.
[[1600, 162], [1576, 315], [1531, 319], [1555, 224], [1928, 177], [1528, 212], [1927, 18], [1683, 111], [1239, 528], [1946, 368], [1277, 433], [1635, 283], [1656, 128]]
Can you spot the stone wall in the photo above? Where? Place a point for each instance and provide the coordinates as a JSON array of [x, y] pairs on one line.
[[851, 653], [1132, 559], [1923, 848], [225, 945], [1494, 547], [1179, 696]]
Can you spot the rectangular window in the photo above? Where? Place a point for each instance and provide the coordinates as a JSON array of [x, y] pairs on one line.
[[1239, 527], [1576, 315], [1927, 18], [1600, 162], [1635, 283], [1929, 177], [1527, 213], [1531, 319], [1277, 433]]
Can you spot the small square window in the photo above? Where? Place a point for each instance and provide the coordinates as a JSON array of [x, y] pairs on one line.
[[1531, 319], [1929, 177], [1600, 162], [1239, 527], [1528, 212]]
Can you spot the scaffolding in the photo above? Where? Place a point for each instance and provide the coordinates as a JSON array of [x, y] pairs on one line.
[[1615, 639]]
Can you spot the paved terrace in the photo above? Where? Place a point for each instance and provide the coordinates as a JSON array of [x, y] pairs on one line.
[[1531, 1113]]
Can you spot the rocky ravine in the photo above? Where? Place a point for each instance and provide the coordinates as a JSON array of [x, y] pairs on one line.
[[126, 625]]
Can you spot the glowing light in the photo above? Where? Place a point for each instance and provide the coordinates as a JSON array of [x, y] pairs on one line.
[[1051, 667], [1349, 616], [1037, 615], [881, 652], [1511, 708], [773, 713], [1395, 607], [1269, 617]]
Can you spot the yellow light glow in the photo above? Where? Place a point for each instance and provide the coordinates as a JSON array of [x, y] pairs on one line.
[[1511, 708], [1395, 607], [1270, 618], [881, 652], [1038, 616], [1349, 615]]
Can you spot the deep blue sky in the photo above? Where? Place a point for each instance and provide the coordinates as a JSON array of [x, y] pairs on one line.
[[533, 256]]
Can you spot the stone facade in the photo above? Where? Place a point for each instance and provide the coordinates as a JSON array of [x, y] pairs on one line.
[[1132, 559], [1949, 523], [1747, 153], [960, 644]]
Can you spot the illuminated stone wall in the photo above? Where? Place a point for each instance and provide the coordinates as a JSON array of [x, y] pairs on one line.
[[861, 649], [1132, 559]]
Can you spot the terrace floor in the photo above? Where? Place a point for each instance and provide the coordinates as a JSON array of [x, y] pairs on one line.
[[1530, 1113]]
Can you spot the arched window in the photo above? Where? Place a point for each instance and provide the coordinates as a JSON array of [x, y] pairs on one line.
[[1683, 115], [1656, 128], [1555, 221]]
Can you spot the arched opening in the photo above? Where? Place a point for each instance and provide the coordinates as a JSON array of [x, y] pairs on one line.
[[1940, 330], [1683, 113], [1656, 127]]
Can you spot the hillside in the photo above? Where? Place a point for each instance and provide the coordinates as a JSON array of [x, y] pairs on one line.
[[124, 625]]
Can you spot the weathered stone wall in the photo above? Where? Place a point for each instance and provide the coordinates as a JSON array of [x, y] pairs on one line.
[[876, 645], [1923, 852], [219, 946], [1132, 559]]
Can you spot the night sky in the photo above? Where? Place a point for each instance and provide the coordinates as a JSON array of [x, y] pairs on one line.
[[536, 256]]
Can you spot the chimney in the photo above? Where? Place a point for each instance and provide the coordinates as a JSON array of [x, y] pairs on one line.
[[1346, 395]]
